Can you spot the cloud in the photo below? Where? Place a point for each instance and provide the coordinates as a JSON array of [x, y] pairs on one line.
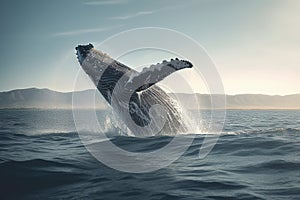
[[149, 12], [105, 2], [134, 15], [85, 31]]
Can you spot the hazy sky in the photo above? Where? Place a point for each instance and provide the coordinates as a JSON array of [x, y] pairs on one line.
[[254, 44]]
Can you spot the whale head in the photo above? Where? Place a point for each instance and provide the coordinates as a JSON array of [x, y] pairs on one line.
[[82, 51], [92, 61]]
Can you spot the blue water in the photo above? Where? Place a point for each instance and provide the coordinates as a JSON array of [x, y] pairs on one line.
[[257, 157]]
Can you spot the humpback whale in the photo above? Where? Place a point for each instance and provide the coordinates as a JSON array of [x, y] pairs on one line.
[[133, 95]]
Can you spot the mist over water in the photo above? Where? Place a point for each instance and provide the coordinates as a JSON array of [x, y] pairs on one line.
[[256, 157]]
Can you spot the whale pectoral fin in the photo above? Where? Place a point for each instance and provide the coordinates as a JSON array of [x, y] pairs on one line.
[[155, 73]]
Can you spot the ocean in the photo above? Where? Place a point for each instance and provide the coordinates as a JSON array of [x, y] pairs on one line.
[[257, 156]]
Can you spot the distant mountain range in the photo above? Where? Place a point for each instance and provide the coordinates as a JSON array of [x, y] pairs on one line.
[[49, 99]]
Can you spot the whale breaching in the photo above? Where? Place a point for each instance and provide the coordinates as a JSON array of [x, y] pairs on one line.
[[132, 94]]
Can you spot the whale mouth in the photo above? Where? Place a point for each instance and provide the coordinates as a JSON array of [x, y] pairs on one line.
[[82, 51]]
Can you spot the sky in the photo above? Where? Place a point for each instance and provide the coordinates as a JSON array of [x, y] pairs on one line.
[[255, 44]]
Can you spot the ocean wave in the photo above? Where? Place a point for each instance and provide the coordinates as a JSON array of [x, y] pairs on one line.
[[270, 166], [282, 130], [21, 178], [11, 135]]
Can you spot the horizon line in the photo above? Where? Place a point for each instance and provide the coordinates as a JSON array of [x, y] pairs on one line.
[[3, 91]]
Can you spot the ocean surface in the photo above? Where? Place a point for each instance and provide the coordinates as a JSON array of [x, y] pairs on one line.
[[256, 157]]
